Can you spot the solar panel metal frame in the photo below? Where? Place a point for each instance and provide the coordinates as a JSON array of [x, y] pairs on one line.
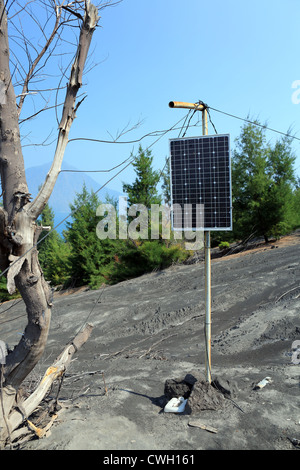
[[205, 185]]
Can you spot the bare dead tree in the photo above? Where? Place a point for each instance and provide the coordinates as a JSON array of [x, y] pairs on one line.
[[19, 231]]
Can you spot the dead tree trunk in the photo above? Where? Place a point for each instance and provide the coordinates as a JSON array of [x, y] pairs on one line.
[[18, 229]]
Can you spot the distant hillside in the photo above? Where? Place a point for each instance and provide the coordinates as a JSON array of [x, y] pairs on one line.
[[67, 185]]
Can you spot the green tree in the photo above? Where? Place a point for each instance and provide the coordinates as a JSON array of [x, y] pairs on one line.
[[46, 219], [141, 256], [263, 180], [296, 203], [91, 258], [54, 252], [144, 189], [166, 183]]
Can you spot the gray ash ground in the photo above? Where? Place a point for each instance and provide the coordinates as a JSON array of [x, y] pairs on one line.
[[151, 329]]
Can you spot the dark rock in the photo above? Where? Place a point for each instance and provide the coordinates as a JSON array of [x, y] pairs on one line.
[[182, 386], [204, 397], [177, 388]]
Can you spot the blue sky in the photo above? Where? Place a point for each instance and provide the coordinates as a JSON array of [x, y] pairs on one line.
[[239, 57]]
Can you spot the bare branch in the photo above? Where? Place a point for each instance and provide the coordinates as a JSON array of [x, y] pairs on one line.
[[21, 9], [53, 372], [69, 111], [78, 15], [39, 57]]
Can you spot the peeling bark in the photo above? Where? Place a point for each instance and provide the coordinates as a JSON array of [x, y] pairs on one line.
[[14, 186], [18, 229]]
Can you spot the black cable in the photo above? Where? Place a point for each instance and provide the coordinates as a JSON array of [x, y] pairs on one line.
[[210, 119], [187, 126], [13, 305], [183, 125], [96, 171], [214, 383], [95, 303], [254, 123], [131, 160]]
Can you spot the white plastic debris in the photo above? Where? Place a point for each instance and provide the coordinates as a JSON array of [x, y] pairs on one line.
[[263, 383], [175, 405]]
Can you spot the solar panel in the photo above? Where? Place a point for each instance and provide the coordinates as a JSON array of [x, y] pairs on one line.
[[201, 183]]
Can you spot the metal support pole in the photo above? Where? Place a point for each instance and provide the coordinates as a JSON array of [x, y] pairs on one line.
[[207, 306], [207, 281], [204, 122], [202, 108]]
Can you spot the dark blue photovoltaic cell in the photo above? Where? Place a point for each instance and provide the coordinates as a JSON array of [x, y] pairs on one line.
[[201, 182]]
